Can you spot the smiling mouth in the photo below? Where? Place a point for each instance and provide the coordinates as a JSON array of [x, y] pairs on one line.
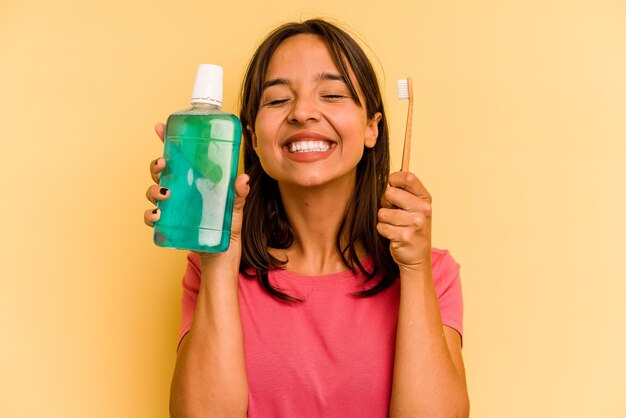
[[308, 146]]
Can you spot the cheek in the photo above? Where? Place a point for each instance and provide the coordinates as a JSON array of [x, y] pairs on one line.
[[266, 126], [351, 128], [266, 149], [270, 162]]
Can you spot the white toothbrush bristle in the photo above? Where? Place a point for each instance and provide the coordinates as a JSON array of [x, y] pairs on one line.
[[403, 89]]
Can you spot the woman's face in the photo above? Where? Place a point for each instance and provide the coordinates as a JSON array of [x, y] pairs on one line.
[[308, 130]]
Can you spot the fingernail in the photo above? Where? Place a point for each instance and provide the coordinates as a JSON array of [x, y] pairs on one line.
[[163, 191], [154, 211]]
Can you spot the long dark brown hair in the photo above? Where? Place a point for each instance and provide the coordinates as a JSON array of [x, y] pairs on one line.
[[265, 222]]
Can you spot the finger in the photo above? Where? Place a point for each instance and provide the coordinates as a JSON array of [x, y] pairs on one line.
[[156, 193], [159, 128], [151, 216], [400, 198], [400, 234], [391, 232], [397, 217], [409, 182], [156, 166]]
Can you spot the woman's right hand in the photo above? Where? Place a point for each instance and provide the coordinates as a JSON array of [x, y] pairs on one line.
[[156, 192]]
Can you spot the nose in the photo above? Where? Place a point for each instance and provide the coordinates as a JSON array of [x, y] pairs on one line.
[[303, 110]]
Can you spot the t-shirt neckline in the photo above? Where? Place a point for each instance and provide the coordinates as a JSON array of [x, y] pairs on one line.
[[367, 263]]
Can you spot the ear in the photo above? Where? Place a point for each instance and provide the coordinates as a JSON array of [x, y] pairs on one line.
[[371, 132], [252, 135]]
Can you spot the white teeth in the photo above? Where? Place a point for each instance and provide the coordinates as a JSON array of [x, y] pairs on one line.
[[309, 146]]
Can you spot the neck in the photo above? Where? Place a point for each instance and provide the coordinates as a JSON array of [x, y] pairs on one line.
[[315, 214]]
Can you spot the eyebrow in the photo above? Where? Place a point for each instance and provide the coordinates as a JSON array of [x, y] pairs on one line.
[[331, 76], [275, 82], [321, 76]]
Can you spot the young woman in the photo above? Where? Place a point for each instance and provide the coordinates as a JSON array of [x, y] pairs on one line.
[[330, 301]]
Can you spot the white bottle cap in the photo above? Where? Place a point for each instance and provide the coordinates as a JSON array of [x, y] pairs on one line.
[[208, 85]]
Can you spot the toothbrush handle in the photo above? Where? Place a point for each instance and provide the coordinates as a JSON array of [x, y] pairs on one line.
[[406, 152]]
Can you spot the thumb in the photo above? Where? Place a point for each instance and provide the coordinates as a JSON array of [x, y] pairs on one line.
[[159, 128], [241, 192]]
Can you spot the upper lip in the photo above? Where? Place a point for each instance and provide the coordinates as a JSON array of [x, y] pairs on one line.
[[306, 136]]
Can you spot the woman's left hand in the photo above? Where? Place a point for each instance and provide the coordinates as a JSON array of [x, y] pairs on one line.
[[405, 219]]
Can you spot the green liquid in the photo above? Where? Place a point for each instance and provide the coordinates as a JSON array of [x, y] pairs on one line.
[[201, 154]]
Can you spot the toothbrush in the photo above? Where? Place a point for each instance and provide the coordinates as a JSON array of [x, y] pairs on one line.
[[405, 91]]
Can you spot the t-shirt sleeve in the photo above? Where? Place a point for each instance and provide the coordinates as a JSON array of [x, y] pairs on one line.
[[191, 286], [448, 288]]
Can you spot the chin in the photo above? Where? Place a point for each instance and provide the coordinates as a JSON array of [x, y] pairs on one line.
[[309, 182]]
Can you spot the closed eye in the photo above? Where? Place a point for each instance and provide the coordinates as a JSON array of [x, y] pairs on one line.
[[334, 96], [276, 102]]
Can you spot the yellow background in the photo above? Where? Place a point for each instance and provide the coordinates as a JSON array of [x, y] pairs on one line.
[[519, 133]]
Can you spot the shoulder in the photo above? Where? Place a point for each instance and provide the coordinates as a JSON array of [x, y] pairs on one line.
[[445, 270], [442, 259], [447, 282], [193, 259]]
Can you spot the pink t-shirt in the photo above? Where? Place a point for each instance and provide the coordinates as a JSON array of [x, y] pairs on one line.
[[330, 355]]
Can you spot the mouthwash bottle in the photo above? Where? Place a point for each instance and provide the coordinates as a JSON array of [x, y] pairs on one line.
[[201, 157]]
